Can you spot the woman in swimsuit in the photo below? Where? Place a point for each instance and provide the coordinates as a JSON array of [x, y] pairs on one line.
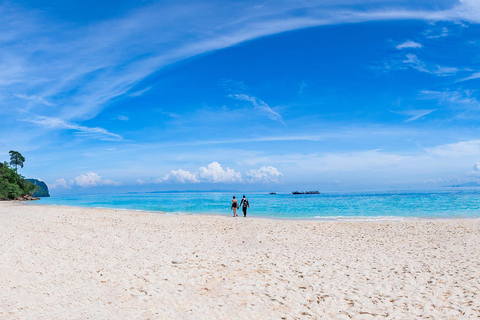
[[234, 206]]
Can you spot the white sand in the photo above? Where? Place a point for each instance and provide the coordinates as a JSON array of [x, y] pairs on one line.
[[75, 263]]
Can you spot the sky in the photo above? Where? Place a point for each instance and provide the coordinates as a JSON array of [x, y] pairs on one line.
[[104, 96]]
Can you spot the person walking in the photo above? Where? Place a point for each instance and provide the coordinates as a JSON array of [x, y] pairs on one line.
[[234, 206], [245, 204]]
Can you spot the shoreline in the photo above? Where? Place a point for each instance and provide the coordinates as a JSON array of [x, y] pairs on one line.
[[65, 262], [319, 218]]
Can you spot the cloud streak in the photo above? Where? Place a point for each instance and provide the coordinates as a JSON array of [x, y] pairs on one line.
[[90, 132], [473, 76], [463, 99], [414, 62], [260, 105], [414, 114]]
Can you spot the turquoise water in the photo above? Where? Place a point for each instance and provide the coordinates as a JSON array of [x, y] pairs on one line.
[[449, 203]]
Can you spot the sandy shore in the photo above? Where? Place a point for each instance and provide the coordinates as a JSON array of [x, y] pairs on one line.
[[77, 263]]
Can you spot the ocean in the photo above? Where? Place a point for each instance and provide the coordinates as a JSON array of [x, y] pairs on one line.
[[365, 205]]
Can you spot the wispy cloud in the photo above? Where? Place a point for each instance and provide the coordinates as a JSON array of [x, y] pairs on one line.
[[233, 86], [139, 92], [170, 114], [34, 99], [464, 99], [260, 105], [475, 75], [140, 181], [91, 132], [414, 114], [303, 85], [414, 62], [436, 33]]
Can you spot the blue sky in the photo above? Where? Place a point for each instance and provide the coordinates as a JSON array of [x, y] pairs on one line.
[[244, 95]]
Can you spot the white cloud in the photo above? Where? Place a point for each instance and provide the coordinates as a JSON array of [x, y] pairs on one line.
[[259, 105], [266, 174], [476, 169], [179, 176], [92, 179], [457, 149], [123, 118], [60, 183], [408, 44], [467, 10], [140, 182], [215, 173], [90, 132]]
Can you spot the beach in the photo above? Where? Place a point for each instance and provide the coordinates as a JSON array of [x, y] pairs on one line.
[[60, 262]]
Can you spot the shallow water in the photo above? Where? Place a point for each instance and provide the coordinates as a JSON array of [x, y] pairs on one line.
[[444, 203]]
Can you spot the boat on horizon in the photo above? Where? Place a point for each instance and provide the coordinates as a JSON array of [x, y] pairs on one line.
[[305, 192], [273, 193]]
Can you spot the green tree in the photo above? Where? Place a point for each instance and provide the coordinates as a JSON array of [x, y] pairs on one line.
[[16, 159], [13, 185]]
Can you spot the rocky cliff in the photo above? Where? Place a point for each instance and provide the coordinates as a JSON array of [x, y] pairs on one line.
[[42, 190]]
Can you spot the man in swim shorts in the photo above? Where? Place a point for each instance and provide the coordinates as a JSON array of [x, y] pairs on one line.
[[245, 204]]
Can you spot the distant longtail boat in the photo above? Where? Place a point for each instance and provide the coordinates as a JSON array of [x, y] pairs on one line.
[[305, 192]]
